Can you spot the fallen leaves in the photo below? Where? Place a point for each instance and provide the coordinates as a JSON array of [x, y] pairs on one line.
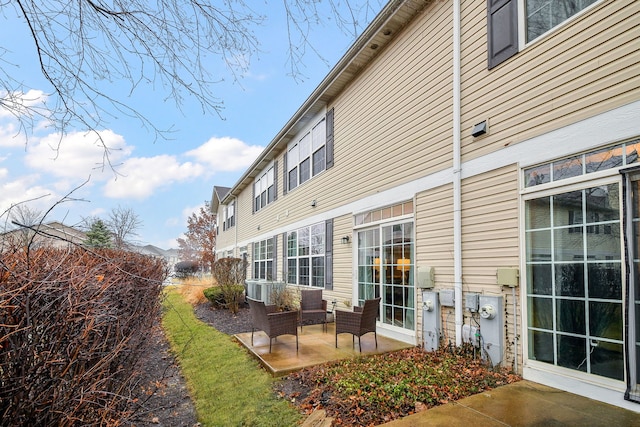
[[376, 389]]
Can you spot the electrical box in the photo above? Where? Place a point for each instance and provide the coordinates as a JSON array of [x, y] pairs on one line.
[[471, 302], [470, 334], [430, 321], [492, 328], [447, 297], [426, 277], [508, 277]]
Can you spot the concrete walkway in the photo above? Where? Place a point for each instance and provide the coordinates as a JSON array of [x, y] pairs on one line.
[[522, 404]]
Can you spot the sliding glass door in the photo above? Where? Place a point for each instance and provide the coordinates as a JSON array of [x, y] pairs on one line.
[[386, 269]]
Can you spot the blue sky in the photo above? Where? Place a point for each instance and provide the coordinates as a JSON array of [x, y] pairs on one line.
[[162, 180]]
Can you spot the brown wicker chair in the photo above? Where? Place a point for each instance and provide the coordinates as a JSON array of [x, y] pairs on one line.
[[313, 309], [359, 321], [266, 318]]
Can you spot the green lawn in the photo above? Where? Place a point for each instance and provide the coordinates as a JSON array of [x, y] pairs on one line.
[[228, 386]]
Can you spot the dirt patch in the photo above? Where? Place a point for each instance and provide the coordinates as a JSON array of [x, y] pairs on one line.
[[161, 397]]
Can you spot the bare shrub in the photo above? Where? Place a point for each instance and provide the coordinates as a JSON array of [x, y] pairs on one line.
[[72, 323], [230, 274]]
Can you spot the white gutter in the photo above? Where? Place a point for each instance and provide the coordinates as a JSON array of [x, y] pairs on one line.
[[457, 173]]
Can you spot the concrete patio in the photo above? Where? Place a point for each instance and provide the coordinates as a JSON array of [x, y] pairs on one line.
[[524, 403], [314, 347]]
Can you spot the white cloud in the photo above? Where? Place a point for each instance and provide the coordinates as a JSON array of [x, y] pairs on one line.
[[24, 190], [11, 136], [20, 103], [140, 177], [187, 211], [226, 154], [78, 154]]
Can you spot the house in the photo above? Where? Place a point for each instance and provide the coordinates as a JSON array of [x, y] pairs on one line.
[[475, 164], [54, 234]]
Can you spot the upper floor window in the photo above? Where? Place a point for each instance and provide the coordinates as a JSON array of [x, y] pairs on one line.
[[510, 22], [543, 15], [307, 156], [229, 216], [264, 190]]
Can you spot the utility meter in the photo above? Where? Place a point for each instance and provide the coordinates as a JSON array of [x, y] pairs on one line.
[[487, 311]]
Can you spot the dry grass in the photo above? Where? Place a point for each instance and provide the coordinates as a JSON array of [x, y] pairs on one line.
[[192, 289]]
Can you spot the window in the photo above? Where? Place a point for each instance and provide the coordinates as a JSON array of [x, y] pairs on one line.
[[306, 157], [574, 280], [540, 16], [228, 216], [264, 189], [263, 257], [543, 15], [386, 262], [306, 256], [583, 164]]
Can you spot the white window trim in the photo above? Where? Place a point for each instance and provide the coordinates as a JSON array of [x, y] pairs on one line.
[[522, 24], [258, 182], [295, 143], [310, 256], [559, 376]]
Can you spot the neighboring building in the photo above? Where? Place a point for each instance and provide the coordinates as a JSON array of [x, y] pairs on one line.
[[53, 234], [491, 154], [171, 256]]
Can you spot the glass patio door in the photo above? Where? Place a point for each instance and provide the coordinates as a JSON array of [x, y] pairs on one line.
[[574, 280], [633, 301], [386, 269]]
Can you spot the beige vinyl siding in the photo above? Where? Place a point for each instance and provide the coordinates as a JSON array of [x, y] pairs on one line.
[[392, 125], [512, 304], [342, 262], [224, 238], [583, 68], [434, 232], [434, 240], [396, 115], [489, 227]]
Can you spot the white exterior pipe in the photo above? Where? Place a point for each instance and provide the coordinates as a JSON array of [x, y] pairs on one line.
[[457, 177]]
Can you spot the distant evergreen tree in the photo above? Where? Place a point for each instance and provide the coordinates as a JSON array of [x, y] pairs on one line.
[[99, 235]]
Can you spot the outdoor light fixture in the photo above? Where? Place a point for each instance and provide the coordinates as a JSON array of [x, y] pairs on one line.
[[479, 129], [313, 203], [345, 240]]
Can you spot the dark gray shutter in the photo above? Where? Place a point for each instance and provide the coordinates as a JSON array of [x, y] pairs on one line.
[[285, 269], [275, 180], [329, 142], [274, 273], [328, 255], [285, 175], [502, 30]]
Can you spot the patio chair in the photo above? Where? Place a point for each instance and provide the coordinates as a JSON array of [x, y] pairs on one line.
[[359, 321], [265, 318], [313, 309]]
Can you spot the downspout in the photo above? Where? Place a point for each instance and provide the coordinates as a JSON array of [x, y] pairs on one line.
[[457, 179]]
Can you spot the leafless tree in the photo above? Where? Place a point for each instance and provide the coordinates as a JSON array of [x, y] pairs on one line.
[[25, 216], [123, 224], [85, 46]]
